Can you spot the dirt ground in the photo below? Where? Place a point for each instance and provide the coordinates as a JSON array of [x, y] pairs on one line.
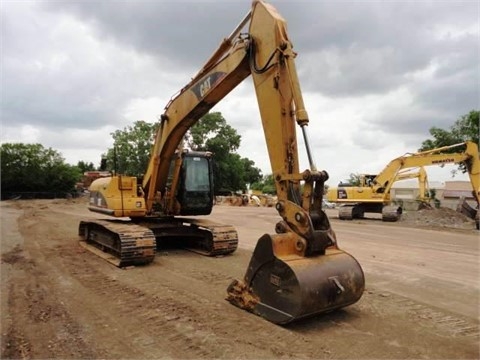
[[59, 301]]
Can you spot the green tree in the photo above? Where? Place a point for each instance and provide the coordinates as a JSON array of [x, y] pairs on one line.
[[266, 185], [466, 128], [463, 129], [251, 173], [33, 168], [234, 173], [83, 166], [212, 133], [354, 179], [131, 149], [231, 172]]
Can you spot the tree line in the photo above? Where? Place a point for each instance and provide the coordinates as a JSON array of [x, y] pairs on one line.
[[34, 168]]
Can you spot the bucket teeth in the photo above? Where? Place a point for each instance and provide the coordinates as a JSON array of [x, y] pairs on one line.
[[240, 295]]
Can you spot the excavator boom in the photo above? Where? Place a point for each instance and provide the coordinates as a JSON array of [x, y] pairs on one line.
[[421, 175]]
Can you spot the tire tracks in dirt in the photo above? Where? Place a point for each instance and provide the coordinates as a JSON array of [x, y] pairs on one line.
[[175, 308], [181, 319], [36, 311]]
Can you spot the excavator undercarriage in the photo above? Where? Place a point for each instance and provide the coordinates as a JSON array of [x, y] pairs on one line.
[[121, 243], [126, 243], [390, 213]]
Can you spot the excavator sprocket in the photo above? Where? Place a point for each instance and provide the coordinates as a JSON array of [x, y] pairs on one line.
[[121, 243]]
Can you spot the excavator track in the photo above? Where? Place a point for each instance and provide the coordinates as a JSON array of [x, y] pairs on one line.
[[119, 242], [197, 235], [391, 213], [125, 243], [345, 212], [224, 240], [350, 211]]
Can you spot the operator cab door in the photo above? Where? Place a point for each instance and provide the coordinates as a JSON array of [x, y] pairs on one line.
[[195, 193]]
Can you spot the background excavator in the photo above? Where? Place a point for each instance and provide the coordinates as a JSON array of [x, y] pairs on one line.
[[373, 194], [423, 186], [297, 272], [366, 180]]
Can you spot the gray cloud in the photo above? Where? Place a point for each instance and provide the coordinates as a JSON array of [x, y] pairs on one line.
[[82, 64], [377, 44], [56, 73], [187, 31]]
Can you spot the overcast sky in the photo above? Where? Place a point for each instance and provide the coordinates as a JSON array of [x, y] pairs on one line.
[[375, 75]]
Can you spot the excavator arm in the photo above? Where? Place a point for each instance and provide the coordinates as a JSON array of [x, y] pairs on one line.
[[222, 73], [438, 156], [422, 177], [452, 154]]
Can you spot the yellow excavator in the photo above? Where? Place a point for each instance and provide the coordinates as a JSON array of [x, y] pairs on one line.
[[373, 193], [423, 187], [299, 271]]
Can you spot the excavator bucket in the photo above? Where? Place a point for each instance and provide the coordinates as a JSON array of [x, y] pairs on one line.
[[466, 209], [286, 287]]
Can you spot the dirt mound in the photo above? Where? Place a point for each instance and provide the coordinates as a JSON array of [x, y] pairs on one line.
[[441, 217]]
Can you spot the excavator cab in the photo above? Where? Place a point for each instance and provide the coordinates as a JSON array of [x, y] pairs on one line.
[[195, 192]]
